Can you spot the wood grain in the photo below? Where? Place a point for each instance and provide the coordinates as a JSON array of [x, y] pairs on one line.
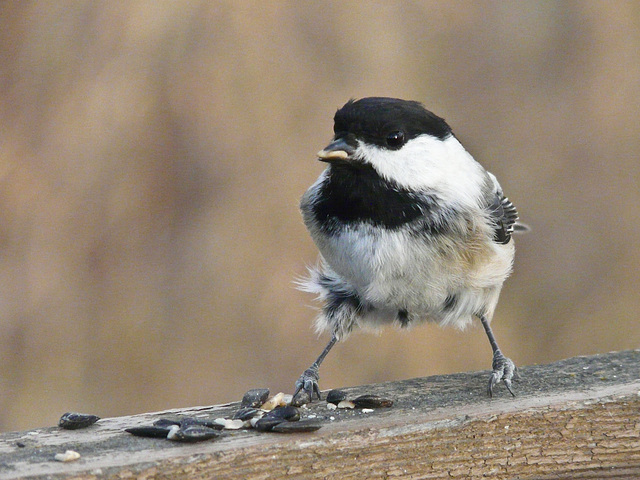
[[578, 418]]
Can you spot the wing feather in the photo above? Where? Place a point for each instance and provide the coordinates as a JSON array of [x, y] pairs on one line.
[[504, 215]]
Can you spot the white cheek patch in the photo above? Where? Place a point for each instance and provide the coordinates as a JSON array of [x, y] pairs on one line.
[[428, 163]]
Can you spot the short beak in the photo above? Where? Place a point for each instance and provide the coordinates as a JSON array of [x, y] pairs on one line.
[[338, 150]]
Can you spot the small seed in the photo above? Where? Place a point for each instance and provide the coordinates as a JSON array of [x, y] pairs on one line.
[[172, 432], [246, 413], [165, 422], [372, 401], [188, 421], [254, 420], [335, 396], [193, 433], [277, 416], [306, 425], [266, 424], [289, 413], [255, 397], [229, 424], [74, 421], [68, 456], [273, 402]]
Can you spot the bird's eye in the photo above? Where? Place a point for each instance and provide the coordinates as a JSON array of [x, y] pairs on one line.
[[395, 139]]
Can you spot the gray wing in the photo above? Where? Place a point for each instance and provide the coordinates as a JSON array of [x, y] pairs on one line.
[[501, 211], [504, 215]]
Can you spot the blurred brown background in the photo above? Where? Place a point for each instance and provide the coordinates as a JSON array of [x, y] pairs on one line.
[[152, 154]]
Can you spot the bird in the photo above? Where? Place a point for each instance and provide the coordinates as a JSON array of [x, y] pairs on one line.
[[410, 228]]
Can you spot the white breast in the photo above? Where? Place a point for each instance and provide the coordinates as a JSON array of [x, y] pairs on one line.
[[394, 270]]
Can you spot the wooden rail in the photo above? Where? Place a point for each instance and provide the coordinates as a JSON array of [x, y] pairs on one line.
[[578, 418]]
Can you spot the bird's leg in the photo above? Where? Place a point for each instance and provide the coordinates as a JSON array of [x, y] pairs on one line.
[[503, 368], [307, 384]]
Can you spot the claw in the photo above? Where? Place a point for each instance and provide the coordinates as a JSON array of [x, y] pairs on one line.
[[507, 383], [307, 386], [503, 370]]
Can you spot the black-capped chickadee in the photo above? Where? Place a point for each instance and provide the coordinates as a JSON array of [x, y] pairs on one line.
[[410, 229]]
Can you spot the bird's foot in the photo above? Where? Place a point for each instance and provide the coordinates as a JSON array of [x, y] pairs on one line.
[[503, 370], [306, 386]]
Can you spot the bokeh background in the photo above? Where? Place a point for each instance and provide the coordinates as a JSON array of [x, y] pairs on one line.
[[152, 154]]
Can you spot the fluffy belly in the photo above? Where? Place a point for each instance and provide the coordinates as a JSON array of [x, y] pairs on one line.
[[396, 271]]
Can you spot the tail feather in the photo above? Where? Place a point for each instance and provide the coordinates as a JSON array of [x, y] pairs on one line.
[[342, 305]]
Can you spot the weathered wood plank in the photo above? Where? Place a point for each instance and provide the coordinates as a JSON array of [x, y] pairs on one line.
[[577, 418]]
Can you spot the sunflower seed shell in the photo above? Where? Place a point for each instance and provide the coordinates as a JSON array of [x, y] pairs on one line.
[[372, 401], [255, 397], [148, 431], [335, 396], [307, 425], [75, 421]]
